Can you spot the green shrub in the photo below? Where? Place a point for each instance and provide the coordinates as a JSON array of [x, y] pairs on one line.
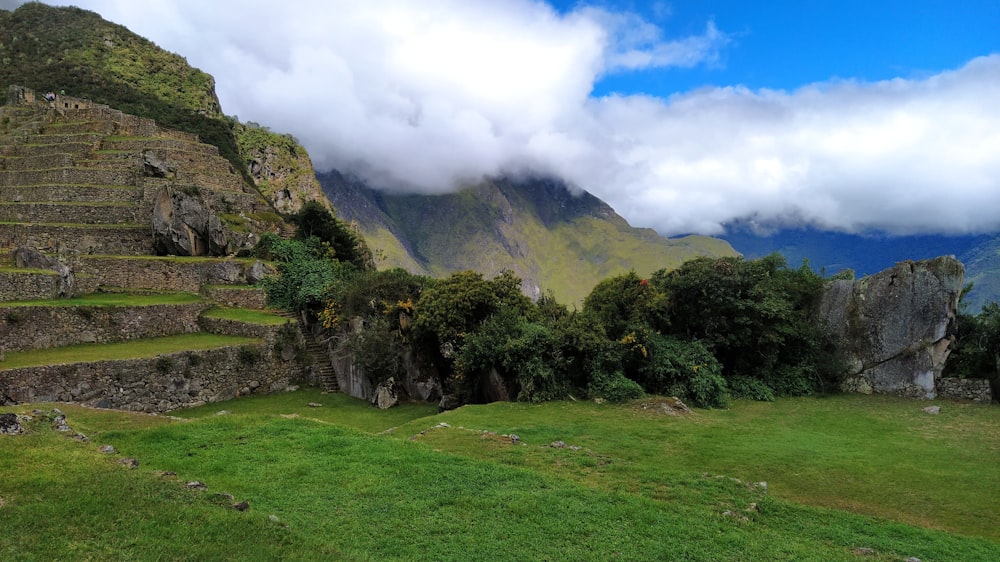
[[615, 387], [706, 389], [751, 388]]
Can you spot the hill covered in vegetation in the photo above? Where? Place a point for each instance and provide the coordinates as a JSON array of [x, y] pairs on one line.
[[554, 239]]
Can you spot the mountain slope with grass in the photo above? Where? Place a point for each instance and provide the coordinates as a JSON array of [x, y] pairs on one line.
[[554, 239]]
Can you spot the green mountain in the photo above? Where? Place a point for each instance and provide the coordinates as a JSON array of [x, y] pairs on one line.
[[553, 239]]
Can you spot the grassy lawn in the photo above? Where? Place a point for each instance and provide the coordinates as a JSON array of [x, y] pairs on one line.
[[113, 299], [134, 349], [345, 481], [247, 315]]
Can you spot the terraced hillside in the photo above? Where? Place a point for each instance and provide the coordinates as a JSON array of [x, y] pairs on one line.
[[121, 283]]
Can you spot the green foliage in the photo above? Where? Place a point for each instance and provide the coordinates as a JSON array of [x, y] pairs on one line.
[[614, 387], [754, 316], [316, 221], [381, 292], [685, 369], [976, 351], [377, 349], [750, 388], [523, 353], [622, 303], [306, 273]]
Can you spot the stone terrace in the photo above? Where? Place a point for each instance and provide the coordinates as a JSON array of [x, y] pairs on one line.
[[79, 183]]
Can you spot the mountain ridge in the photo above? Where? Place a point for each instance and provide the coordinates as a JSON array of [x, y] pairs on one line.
[[555, 239]]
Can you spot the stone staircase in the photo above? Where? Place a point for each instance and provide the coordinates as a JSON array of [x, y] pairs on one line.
[[317, 357]]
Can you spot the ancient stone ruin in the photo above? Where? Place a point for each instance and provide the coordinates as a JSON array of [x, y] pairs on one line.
[[891, 330], [96, 200]]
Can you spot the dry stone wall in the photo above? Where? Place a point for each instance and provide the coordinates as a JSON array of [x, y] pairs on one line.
[[93, 239], [41, 327], [172, 274], [237, 297], [168, 382], [977, 390]]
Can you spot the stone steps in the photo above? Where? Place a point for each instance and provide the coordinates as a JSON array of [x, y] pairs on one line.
[[138, 144], [129, 240], [69, 175], [35, 149], [318, 359], [37, 162], [73, 193], [74, 212]]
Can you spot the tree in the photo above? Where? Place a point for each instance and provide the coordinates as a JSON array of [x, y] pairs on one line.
[[753, 315], [314, 220]]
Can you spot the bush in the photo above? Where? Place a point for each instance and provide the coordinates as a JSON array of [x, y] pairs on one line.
[[706, 389], [522, 352], [751, 388], [615, 387], [667, 361]]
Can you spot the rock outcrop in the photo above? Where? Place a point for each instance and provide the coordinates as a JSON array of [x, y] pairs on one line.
[[891, 329], [30, 258]]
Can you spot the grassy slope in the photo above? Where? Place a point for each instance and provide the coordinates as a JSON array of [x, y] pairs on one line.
[[636, 490]]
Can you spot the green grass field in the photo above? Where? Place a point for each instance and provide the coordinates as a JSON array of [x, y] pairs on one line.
[[346, 481]]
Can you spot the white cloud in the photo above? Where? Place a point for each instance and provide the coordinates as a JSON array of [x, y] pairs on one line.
[[427, 95]]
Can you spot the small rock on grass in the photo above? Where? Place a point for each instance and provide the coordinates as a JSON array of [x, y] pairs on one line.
[[933, 410], [314, 405], [107, 449], [864, 551], [196, 485], [130, 463], [242, 506]]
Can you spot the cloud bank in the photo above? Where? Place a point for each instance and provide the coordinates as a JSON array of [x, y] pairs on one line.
[[427, 96]]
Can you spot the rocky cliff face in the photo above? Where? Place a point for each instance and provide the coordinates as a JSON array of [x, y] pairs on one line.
[[891, 329]]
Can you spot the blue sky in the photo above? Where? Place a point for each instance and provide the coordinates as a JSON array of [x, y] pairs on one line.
[[685, 116], [785, 44]]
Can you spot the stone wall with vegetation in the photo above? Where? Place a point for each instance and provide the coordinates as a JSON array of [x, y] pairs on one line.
[[237, 297], [94, 239], [41, 327], [977, 390], [167, 274], [167, 382]]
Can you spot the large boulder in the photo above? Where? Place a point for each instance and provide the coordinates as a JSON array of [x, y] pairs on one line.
[[891, 330], [387, 394], [180, 224], [30, 258]]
